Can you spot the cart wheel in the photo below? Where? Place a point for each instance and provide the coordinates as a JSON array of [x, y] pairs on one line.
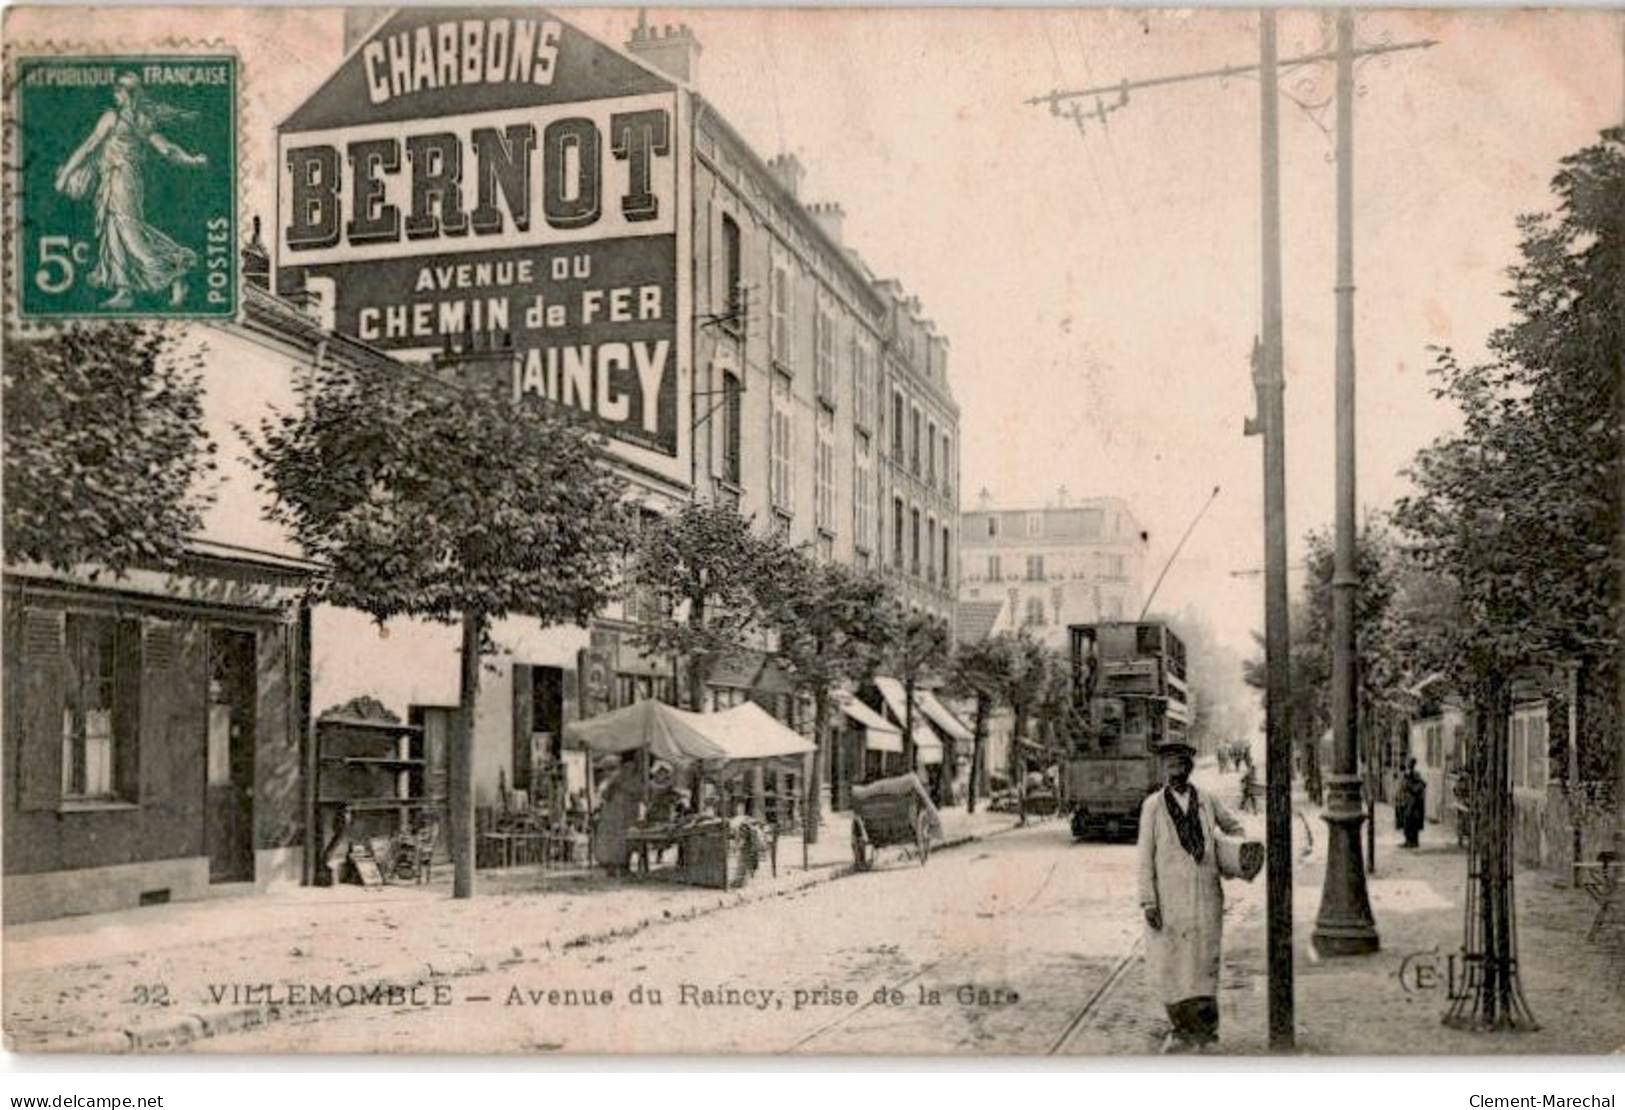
[[860, 844], [922, 837]]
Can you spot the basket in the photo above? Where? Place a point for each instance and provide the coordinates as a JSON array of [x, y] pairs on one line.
[[1238, 858]]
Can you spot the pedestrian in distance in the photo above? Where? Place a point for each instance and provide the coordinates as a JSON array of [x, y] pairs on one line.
[[1182, 901], [1249, 788], [1415, 791]]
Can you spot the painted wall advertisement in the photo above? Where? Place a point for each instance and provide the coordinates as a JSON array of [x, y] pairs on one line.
[[501, 173]]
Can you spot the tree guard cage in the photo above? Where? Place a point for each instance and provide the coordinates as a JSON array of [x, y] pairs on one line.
[[1491, 999]]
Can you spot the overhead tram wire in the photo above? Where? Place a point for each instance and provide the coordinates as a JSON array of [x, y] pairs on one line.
[[1094, 175], [1111, 144]]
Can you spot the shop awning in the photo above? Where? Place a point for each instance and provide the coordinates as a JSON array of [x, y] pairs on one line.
[[925, 741], [745, 732], [942, 716], [879, 734]]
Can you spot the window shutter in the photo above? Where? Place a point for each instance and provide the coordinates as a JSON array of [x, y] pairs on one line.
[[523, 714], [127, 716], [159, 649], [44, 696]]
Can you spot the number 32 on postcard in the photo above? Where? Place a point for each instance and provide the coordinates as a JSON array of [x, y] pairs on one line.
[[128, 198]]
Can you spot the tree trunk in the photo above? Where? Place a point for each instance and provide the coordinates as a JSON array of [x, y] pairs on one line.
[[813, 810], [1018, 759], [909, 754], [978, 734], [461, 763]]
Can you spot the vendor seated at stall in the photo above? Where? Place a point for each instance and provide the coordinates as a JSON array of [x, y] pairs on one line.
[[665, 805], [617, 811]]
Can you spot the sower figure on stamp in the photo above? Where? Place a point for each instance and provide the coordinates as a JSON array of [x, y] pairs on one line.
[[1182, 901], [132, 255]]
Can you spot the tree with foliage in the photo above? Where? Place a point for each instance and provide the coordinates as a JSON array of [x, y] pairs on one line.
[[833, 626], [978, 671], [705, 569], [1519, 508], [106, 453], [1381, 665], [1025, 681], [1219, 699], [921, 648], [432, 496]]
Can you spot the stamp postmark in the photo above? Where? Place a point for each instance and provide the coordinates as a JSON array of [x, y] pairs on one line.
[[128, 175]]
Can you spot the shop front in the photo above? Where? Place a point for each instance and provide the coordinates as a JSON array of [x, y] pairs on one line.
[[152, 738]]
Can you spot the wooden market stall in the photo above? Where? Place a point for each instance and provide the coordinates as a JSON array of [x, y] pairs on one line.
[[713, 846]]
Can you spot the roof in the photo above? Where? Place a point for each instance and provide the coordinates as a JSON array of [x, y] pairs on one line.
[[976, 619]]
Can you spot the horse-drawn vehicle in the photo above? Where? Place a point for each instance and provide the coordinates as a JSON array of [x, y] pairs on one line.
[[891, 812]]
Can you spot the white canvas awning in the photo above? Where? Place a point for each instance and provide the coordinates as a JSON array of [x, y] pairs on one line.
[[879, 734], [925, 741], [942, 716], [744, 732]]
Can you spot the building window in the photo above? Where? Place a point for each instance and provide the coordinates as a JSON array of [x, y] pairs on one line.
[[1035, 568], [914, 443], [732, 421], [947, 464], [824, 473], [824, 355], [897, 532], [945, 563], [863, 385], [992, 526], [781, 334], [1035, 524], [863, 496], [734, 312], [1114, 566], [781, 479], [931, 548], [1529, 748], [897, 427], [993, 574], [931, 461], [100, 706], [1035, 611], [914, 542]]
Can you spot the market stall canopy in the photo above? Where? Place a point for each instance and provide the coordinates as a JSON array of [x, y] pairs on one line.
[[880, 735], [925, 741], [745, 732]]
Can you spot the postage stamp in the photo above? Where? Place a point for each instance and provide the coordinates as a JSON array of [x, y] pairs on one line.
[[128, 186]]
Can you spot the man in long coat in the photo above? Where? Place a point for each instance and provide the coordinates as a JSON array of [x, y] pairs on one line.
[[1182, 901]]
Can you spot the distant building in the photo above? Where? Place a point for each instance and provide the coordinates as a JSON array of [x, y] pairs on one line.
[[1046, 567]]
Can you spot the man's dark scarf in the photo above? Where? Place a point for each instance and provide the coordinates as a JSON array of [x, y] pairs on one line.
[[1187, 822]]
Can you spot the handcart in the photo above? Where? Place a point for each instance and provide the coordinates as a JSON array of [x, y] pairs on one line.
[[891, 812]]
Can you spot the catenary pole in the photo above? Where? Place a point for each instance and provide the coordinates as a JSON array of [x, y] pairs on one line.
[[1344, 926], [1277, 647]]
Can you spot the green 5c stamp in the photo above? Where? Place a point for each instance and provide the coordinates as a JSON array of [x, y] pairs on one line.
[[128, 198]]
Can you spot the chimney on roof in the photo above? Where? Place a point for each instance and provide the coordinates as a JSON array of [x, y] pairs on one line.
[[984, 499], [1062, 498], [673, 50], [787, 168], [256, 260], [831, 217]]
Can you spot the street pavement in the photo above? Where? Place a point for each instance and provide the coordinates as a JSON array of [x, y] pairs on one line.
[[1018, 942]]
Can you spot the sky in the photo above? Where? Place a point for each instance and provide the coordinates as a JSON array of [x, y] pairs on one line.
[[1100, 291]]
